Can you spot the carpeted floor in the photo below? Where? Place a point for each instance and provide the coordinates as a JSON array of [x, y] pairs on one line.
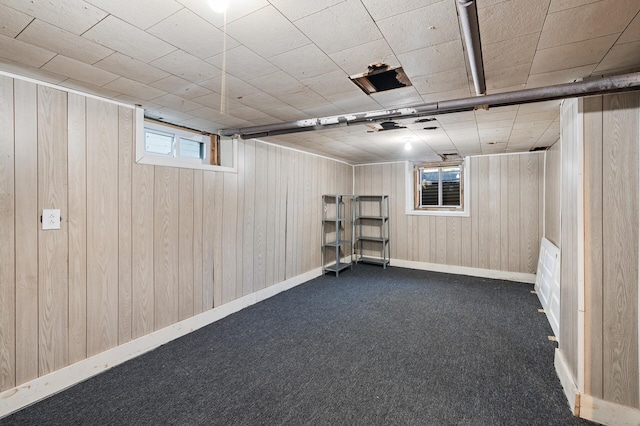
[[372, 347]]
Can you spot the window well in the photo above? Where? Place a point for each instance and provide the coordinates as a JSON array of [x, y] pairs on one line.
[[380, 78]]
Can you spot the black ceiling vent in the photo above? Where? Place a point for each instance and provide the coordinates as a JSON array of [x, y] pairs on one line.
[[539, 148], [425, 120], [380, 78], [430, 128], [385, 125]]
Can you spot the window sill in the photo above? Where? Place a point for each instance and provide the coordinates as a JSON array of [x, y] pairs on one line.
[[454, 213]]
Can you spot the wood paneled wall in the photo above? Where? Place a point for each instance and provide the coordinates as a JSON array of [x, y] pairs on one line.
[[502, 232], [611, 139], [553, 170], [140, 247], [569, 252]]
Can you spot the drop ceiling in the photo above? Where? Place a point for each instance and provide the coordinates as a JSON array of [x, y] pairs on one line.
[[284, 60]]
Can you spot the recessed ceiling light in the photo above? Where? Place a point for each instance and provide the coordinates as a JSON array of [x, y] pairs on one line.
[[407, 146], [219, 6]]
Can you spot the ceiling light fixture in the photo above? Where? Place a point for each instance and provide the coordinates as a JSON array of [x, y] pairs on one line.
[[407, 146], [219, 6]]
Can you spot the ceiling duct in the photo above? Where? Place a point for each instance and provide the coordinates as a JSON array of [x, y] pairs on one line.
[[469, 19], [597, 86]]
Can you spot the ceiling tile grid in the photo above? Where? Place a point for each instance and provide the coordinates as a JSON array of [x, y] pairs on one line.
[[267, 61]]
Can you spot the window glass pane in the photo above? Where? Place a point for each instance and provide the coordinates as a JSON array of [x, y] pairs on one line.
[[158, 143], [451, 186], [190, 148], [429, 186]]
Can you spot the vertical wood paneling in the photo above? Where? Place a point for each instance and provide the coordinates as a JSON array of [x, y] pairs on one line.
[[504, 212], [299, 209], [441, 238], [569, 279], [26, 228], [8, 238], [166, 245], [289, 220], [400, 215], [102, 226], [529, 210], [53, 297], [620, 253], [475, 216], [552, 189], [484, 213], [593, 156], [316, 216], [229, 225], [211, 217], [198, 232], [454, 241], [514, 194], [248, 215], [185, 244], [239, 243], [125, 162], [217, 218], [494, 220], [307, 216], [77, 188], [142, 305], [260, 219]]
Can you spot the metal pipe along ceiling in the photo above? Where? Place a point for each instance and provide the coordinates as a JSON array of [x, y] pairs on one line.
[[598, 86], [469, 20]]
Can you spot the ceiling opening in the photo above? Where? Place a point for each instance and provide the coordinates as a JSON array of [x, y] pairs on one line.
[[380, 78]]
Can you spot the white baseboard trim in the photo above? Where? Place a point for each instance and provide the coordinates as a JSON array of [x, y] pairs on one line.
[[466, 270], [568, 382], [608, 413], [37, 389]]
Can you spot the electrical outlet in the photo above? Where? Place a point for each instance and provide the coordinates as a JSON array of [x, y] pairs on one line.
[[51, 219]]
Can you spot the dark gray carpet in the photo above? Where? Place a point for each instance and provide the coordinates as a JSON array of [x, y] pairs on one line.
[[372, 347]]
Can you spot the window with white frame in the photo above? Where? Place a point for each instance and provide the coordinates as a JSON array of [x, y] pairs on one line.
[[439, 186], [179, 143]]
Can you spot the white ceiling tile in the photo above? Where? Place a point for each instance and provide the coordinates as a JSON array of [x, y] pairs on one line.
[[192, 34], [356, 59], [402, 97], [354, 102], [587, 22], [171, 116], [296, 9], [546, 116], [76, 16], [441, 82], [632, 32], [141, 13], [277, 37], [446, 96], [261, 101], [434, 59], [242, 63], [79, 71], [176, 103], [559, 77], [506, 77], [135, 89], [488, 125], [236, 10], [28, 71], [621, 56], [127, 39], [181, 87], [510, 53], [326, 110], [306, 98], [12, 22], [186, 66], [214, 100], [511, 19], [250, 114], [131, 68], [24, 53], [380, 9], [340, 27], [573, 55], [71, 45], [428, 26], [558, 5], [287, 113], [330, 84], [90, 88], [234, 88], [304, 62], [277, 84]]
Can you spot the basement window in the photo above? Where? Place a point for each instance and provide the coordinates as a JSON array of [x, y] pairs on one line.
[[163, 144], [438, 187]]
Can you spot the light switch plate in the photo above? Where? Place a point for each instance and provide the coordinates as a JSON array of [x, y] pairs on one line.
[[50, 218]]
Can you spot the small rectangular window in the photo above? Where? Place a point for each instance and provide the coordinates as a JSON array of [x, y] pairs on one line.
[[191, 149], [180, 143], [158, 142], [439, 187]]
